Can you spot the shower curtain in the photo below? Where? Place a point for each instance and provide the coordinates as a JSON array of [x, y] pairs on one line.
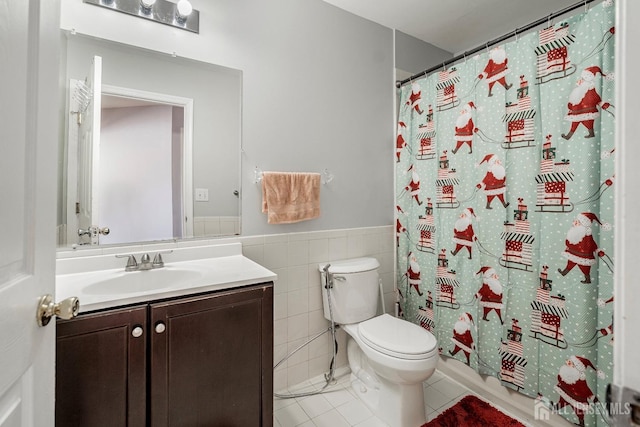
[[504, 175]]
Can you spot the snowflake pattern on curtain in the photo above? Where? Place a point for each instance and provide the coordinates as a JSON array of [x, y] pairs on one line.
[[505, 208]]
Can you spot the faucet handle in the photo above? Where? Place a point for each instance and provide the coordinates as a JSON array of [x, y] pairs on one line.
[[132, 264], [157, 259]]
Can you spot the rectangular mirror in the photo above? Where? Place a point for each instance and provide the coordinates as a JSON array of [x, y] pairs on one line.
[[150, 146]]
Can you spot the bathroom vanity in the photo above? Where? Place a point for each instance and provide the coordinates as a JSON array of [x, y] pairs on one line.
[[197, 356]]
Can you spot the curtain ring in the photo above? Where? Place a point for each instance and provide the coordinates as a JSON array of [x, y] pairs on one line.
[[444, 68], [515, 33], [586, 6], [465, 56], [549, 20], [487, 46]]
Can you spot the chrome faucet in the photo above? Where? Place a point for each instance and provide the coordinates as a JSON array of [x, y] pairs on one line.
[[145, 261]]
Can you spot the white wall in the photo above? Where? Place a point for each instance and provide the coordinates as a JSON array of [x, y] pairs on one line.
[[414, 56], [318, 91]]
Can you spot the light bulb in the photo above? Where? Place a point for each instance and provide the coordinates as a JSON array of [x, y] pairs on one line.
[[184, 9], [146, 5]]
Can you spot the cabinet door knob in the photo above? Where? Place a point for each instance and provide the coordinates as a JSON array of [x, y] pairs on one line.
[[160, 328], [137, 332]]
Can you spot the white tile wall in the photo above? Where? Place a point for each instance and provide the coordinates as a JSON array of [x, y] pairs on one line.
[[298, 311], [215, 225]]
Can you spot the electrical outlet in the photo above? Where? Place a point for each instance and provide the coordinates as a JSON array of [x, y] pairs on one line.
[[202, 195]]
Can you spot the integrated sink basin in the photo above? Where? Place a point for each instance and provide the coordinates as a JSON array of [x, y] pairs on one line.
[[98, 285], [142, 281]]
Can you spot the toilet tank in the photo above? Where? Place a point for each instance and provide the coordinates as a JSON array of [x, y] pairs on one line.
[[355, 290]]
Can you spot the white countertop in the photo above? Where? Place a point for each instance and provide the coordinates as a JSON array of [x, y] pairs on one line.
[[206, 274]]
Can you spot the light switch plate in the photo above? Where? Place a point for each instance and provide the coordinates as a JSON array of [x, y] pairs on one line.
[[202, 195]]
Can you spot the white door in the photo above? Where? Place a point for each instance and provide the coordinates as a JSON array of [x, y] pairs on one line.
[[29, 37], [88, 99]]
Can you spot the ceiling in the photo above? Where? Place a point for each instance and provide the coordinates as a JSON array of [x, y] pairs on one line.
[[453, 25]]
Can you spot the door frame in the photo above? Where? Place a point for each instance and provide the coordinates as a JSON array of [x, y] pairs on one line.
[[627, 199], [187, 154]]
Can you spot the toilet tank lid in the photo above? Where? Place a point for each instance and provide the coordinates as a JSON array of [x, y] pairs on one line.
[[356, 265]]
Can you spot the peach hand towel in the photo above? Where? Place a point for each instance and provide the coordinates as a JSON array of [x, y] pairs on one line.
[[290, 196]]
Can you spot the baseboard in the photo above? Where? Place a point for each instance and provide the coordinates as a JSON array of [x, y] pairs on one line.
[[489, 388]]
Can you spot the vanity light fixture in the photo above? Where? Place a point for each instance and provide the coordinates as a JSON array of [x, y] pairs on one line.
[[180, 15]]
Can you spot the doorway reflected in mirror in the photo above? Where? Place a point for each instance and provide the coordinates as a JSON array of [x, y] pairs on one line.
[[200, 102]]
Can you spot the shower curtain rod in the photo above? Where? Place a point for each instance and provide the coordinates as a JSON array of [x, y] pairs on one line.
[[517, 31]]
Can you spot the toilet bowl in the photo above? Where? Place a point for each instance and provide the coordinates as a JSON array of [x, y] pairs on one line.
[[389, 357]]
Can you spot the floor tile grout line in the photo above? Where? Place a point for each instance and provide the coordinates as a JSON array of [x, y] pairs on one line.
[[343, 384]]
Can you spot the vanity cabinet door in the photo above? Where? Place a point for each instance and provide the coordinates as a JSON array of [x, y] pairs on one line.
[[212, 359], [101, 369]]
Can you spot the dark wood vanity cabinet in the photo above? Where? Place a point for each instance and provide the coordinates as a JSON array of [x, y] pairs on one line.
[[212, 364], [205, 360], [101, 369]]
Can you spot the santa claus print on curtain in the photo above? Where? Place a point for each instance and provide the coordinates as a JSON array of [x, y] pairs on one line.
[[583, 104], [504, 248], [490, 294], [400, 141], [573, 389], [494, 182], [463, 234], [496, 69], [581, 247], [465, 128], [413, 188], [462, 338], [414, 100], [413, 275]]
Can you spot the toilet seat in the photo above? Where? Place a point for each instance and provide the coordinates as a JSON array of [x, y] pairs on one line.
[[397, 338]]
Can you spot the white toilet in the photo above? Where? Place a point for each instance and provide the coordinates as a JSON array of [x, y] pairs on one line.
[[389, 357]]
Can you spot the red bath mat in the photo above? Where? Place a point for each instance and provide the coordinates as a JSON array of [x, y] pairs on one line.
[[472, 412]]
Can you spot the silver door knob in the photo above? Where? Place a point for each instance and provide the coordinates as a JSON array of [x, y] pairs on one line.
[[137, 332], [65, 309], [160, 328]]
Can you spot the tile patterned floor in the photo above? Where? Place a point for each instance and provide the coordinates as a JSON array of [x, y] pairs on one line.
[[337, 406]]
